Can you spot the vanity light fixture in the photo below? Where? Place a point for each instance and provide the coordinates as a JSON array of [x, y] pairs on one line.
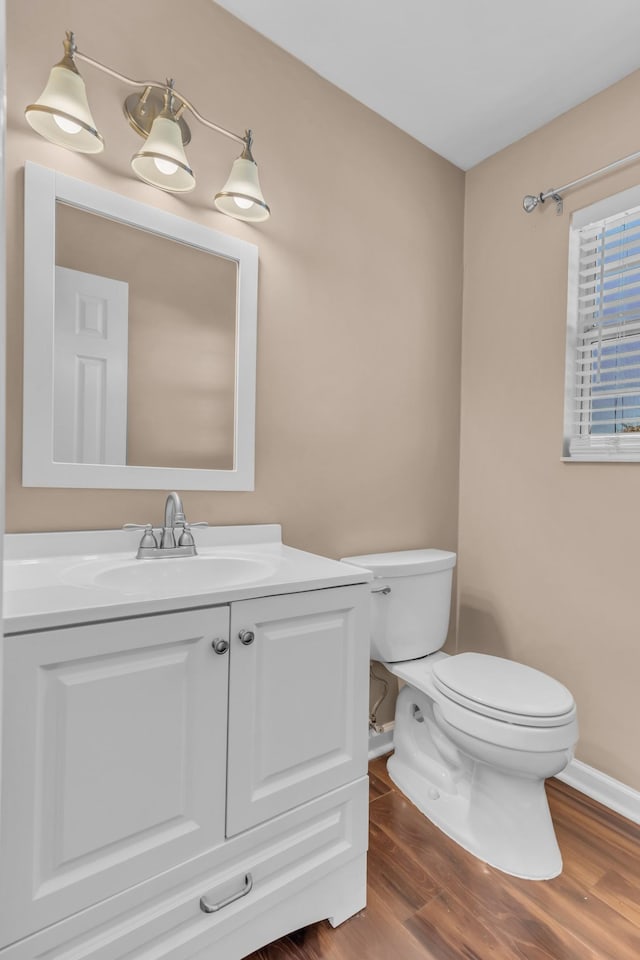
[[162, 161], [62, 115]]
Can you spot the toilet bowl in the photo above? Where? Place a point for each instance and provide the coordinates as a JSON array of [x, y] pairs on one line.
[[475, 736]]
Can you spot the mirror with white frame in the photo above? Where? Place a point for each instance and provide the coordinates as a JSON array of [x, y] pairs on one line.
[[140, 344]]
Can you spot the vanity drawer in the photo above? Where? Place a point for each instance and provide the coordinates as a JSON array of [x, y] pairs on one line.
[[305, 865]]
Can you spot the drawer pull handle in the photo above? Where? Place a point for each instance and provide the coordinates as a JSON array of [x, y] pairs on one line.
[[384, 590], [207, 907]]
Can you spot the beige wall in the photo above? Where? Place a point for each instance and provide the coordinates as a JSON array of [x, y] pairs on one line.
[[549, 551], [360, 277], [359, 340]]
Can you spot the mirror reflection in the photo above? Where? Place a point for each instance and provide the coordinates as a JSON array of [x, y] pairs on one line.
[[144, 347]]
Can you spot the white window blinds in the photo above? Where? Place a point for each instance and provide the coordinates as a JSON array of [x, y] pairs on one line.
[[602, 417]]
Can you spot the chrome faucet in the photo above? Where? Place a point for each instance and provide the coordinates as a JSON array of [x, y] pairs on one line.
[[173, 517], [176, 539]]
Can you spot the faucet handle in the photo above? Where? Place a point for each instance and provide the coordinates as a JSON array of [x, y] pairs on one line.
[[148, 537], [186, 538]]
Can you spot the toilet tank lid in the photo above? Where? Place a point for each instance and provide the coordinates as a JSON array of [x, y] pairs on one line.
[[405, 563]]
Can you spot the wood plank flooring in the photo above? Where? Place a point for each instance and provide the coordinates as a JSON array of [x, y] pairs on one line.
[[430, 900]]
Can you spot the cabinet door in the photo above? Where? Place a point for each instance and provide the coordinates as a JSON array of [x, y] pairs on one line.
[[298, 700], [114, 759]]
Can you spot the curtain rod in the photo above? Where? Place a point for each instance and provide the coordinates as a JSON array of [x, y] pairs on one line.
[[530, 202]]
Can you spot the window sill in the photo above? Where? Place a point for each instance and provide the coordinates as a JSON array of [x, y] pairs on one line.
[[598, 458], [624, 448]]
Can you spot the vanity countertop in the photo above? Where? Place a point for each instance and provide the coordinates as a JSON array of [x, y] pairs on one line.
[[59, 579]]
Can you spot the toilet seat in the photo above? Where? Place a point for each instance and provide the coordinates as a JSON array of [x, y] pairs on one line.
[[481, 721], [504, 690]]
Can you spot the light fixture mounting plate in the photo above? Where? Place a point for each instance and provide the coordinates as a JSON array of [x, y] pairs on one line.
[[141, 112]]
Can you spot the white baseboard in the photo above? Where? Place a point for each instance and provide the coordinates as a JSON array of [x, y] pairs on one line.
[[381, 742], [595, 784], [599, 786]]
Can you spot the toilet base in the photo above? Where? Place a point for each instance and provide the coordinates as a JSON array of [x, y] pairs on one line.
[[501, 819]]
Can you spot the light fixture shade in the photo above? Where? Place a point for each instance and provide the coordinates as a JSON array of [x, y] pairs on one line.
[[62, 115], [241, 196], [162, 161]]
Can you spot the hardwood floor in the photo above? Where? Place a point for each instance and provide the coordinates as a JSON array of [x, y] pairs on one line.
[[430, 900]]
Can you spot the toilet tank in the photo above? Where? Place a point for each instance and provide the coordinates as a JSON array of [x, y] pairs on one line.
[[411, 601]]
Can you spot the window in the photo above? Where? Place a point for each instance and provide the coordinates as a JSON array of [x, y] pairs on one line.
[[602, 397]]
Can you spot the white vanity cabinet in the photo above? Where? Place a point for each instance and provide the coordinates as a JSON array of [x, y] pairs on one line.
[[158, 767]]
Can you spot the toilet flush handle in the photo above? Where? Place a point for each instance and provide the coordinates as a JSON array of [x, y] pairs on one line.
[[383, 590]]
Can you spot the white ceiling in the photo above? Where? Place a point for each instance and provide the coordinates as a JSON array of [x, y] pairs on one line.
[[464, 77]]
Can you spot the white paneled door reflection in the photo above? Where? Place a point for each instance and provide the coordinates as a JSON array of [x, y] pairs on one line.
[[90, 368]]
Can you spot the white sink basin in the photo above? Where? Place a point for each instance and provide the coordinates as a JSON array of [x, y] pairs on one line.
[[176, 576], [65, 578]]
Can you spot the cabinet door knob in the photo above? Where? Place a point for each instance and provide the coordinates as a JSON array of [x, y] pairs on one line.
[[220, 646], [247, 636]]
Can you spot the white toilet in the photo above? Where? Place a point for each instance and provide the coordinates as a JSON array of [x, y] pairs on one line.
[[475, 736]]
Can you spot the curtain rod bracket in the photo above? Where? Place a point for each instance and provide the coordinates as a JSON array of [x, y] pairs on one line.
[[530, 202]]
